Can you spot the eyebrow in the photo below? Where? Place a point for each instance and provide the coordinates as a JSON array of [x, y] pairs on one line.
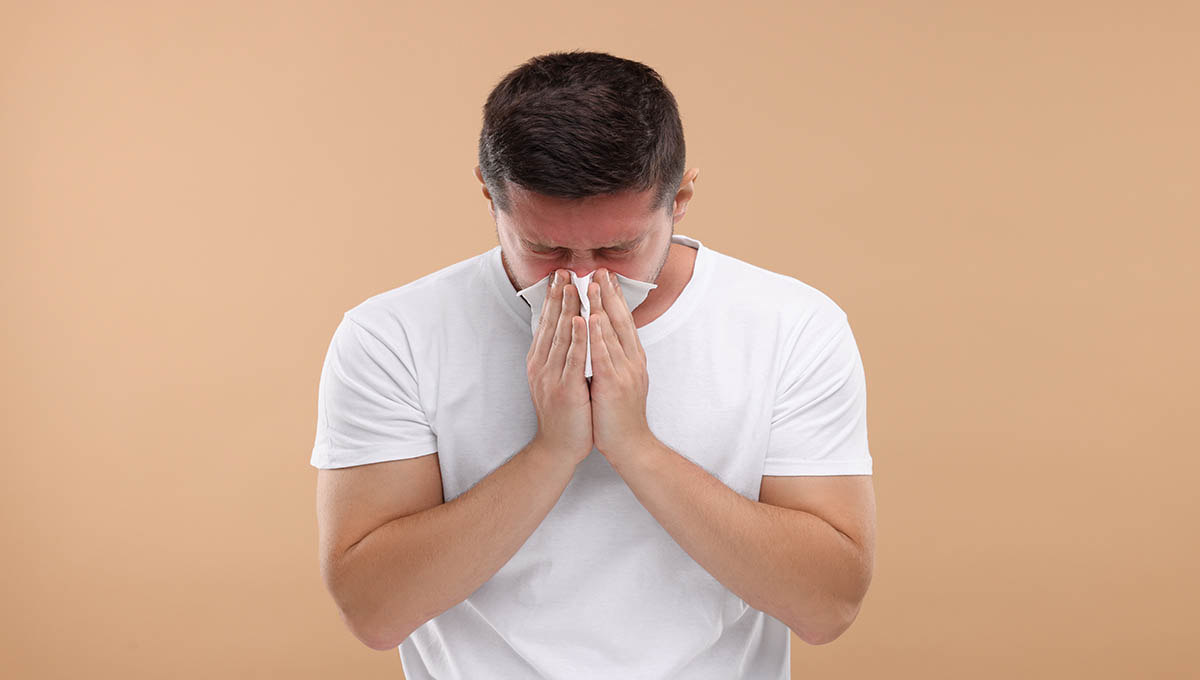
[[622, 244]]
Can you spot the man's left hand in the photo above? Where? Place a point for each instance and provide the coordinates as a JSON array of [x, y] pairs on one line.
[[620, 381]]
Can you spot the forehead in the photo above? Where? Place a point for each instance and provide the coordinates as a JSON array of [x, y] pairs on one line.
[[610, 221]]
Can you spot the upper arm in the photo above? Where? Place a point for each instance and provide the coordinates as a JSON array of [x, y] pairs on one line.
[[847, 502], [818, 459], [354, 501], [375, 450]]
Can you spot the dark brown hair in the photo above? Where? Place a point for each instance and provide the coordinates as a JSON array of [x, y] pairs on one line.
[[577, 124]]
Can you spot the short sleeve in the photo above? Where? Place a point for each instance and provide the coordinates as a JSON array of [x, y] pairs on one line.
[[819, 421], [368, 409]]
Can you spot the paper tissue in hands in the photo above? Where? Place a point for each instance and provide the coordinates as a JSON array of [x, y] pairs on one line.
[[632, 290]]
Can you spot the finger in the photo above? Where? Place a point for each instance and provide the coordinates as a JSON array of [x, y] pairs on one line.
[[573, 368], [562, 331], [602, 363], [573, 301], [597, 305], [548, 299], [597, 301], [547, 322], [619, 358], [535, 347], [620, 320], [595, 298]]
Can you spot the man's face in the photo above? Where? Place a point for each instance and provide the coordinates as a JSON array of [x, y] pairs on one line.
[[618, 233]]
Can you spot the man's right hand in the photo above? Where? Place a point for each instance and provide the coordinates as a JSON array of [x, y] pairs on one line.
[[554, 367]]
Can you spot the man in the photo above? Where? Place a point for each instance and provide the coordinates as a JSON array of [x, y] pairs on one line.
[[496, 514]]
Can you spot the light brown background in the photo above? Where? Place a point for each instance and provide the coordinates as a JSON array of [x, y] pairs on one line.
[[1001, 195]]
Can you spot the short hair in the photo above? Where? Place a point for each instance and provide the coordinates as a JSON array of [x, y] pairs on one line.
[[578, 124]]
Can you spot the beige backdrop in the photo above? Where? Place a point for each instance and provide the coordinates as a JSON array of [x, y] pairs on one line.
[[1003, 197]]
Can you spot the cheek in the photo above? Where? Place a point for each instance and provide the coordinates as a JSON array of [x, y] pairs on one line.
[[537, 268]]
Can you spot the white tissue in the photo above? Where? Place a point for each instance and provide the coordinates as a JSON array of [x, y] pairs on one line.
[[632, 290]]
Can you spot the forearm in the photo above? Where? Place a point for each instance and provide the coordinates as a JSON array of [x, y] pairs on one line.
[[413, 568], [788, 563]]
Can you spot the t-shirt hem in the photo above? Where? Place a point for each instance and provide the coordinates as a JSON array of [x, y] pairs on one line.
[[817, 467], [323, 457]]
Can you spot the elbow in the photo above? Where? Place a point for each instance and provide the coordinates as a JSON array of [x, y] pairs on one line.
[[823, 637], [840, 615], [373, 636], [380, 644], [369, 637], [824, 634], [365, 621]]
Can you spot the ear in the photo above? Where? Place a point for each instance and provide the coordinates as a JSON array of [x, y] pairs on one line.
[[486, 194], [687, 189]]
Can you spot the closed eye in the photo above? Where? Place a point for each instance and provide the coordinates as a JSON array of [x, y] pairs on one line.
[[610, 252]]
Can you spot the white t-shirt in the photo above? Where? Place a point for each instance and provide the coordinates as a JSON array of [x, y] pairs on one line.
[[752, 373]]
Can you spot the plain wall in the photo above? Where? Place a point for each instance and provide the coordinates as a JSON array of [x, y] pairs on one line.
[[1002, 196]]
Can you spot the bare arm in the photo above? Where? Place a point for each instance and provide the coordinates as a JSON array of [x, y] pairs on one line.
[[413, 568]]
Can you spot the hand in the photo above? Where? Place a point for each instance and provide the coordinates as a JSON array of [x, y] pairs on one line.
[[620, 381], [554, 367]]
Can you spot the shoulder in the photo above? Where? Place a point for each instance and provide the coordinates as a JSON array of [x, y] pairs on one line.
[[412, 304], [794, 302]]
